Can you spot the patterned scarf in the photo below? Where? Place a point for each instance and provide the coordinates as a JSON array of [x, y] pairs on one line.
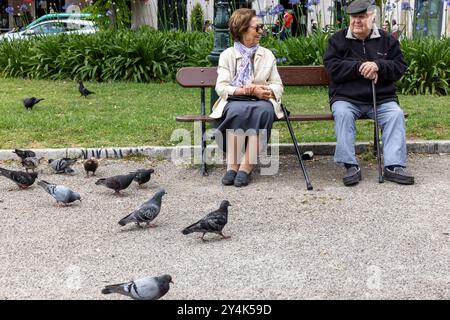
[[244, 71]]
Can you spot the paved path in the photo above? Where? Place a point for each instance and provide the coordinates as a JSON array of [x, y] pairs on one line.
[[377, 241]]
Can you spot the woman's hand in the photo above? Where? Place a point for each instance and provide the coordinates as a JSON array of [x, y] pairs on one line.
[[262, 92]]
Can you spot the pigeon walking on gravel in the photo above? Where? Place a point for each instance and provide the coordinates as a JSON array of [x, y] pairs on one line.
[[62, 194], [143, 176], [30, 102], [116, 183], [22, 154], [148, 288], [83, 90], [22, 179], [62, 165], [147, 212], [213, 222], [90, 165], [30, 163]]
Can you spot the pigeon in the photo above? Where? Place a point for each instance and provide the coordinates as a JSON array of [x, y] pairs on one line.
[[30, 102], [143, 175], [147, 212], [62, 194], [24, 153], [84, 92], [148, 288], [90, 165], [30, 163], [213, 222], [22, 179], [116, 183], [62, 165]]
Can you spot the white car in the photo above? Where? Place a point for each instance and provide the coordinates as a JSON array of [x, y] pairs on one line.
[[45, 28]]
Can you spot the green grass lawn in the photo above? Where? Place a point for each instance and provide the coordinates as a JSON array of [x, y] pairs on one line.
[[130, 114]]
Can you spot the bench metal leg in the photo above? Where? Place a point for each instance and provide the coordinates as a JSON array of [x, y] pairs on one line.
[[204, 168], [299, 156]]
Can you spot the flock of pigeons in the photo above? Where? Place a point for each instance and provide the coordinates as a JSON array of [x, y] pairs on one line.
[[148, 288]]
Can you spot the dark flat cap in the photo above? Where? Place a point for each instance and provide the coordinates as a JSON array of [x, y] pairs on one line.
[[359, 6]]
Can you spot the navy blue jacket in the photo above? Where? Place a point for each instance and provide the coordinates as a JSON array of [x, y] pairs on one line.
[[345, 54]]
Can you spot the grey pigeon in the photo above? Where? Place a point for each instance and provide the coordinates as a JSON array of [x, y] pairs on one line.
[[116, 183], [83, 90], [147, 212], [30, 163], [22, 179], [30, 102], [148, 288], [62, 194], [90, 165], [213, 222], [24, 153], [62, 165], [143, 176]]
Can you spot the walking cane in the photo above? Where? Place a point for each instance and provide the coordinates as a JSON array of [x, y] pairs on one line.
[[294, 140], [377, 136]]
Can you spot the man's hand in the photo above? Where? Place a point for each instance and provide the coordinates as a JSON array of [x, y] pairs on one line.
[[369, 70]]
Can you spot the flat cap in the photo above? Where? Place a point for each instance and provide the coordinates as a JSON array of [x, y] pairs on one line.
[[359, 6]]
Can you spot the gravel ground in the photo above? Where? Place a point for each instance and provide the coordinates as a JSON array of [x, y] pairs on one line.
[[372, 241]]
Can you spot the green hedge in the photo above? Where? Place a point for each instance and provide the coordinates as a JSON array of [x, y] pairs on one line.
[[147, 55]]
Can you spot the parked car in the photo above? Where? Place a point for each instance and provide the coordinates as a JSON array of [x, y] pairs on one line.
[[51, 27]]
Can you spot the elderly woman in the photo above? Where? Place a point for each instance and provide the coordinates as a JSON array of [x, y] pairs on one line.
[[250, 89]]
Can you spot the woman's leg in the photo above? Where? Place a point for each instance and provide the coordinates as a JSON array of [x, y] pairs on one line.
[[234, 147], [251, 154]]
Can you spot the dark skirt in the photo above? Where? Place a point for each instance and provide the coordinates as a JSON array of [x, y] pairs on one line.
[[247, 117]]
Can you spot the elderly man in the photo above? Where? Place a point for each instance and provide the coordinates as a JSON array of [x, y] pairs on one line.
[[354, 58]]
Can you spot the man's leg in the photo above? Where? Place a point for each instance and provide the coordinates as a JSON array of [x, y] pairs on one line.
[[392, 121], [345, 115]]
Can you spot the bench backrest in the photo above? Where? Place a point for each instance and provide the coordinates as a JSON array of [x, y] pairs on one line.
[[204, 77]]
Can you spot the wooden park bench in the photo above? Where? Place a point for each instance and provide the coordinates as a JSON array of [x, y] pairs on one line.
[[205, 77]]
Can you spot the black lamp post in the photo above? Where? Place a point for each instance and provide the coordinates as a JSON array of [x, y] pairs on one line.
[[221, 37]]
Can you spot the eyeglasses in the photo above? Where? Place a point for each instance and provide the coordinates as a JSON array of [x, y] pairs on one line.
[[258, 27]]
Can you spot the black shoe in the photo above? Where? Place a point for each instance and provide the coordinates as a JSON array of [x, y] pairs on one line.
[[242, 179], [228, 178], [352, 176], [399, 175]]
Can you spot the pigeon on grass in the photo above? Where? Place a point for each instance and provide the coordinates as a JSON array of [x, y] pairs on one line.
[[83, 90], [29, 103]]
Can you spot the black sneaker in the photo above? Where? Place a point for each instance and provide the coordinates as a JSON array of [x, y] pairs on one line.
[[352, 176], [228, 178], [398, 175], [242, 179]]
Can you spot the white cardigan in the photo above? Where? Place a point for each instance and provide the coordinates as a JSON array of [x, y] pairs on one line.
[[265, 73]]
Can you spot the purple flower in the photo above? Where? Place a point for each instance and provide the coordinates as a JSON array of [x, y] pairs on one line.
[[9, 10], [448, 2], [406, 6], [108, 13], [425, 28], [24, 7], [276, 10], [418, 27], [388, 7], [294, 1]]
